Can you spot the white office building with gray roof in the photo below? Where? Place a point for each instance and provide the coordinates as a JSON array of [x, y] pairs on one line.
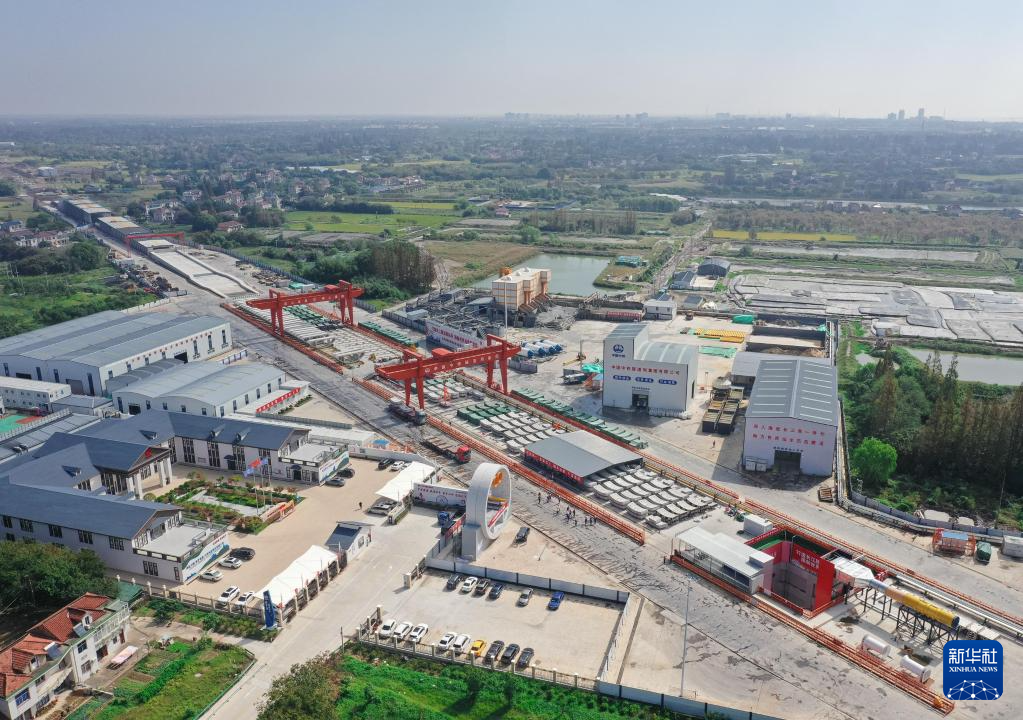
[[642, 374], [87, 352], [206, 388], [792, 417]]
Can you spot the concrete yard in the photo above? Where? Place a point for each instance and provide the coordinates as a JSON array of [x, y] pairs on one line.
[[572, 639]]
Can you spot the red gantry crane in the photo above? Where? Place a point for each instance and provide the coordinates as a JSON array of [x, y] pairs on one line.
[[179, 236], [343, 295], [497, 352]]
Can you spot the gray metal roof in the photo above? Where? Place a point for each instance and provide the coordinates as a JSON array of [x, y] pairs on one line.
[[142, 373], [208, 382], [795, 388], [156, 426], [80, 401], [627, 330], [581, 453], [716, 263], [106, 337], [666, 352], [747, 363], [102, 514], [39, 432], [120, 455]]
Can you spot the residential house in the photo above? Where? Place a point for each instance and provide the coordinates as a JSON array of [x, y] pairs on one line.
[[11, 225], [230, 226], [59, 653], [191, 196]]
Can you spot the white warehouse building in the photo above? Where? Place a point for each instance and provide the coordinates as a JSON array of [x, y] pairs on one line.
[[639, 373], [792, 416], [87, 352], [206, 388], [18, 393]]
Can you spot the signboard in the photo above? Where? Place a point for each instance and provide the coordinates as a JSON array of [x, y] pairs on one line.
[[333, 465], [197, 563], [453, 338], [269, 611], [430, 494]]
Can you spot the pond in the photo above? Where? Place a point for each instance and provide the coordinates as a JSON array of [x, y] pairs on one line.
[[570, 274], [972, 368]]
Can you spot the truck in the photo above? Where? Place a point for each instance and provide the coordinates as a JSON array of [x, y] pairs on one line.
[[447, 518], [405, 412], [447, 448]]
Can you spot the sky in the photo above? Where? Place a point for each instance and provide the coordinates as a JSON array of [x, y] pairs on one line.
[[448, 57]]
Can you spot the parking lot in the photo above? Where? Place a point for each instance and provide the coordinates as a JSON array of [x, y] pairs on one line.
[[572, 639], [311, 523]]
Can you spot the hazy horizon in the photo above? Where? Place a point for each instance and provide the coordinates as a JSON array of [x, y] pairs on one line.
[[322, 59]]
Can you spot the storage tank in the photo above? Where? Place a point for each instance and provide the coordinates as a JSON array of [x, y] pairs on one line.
[[920, 672], [919, 604], [875, 645], [984, 552]]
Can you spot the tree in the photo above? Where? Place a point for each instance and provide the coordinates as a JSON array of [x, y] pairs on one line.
[[44, 576], [307, 692], [204, 222], [7, 189], [873, 462], [529, 234], [746, 251]]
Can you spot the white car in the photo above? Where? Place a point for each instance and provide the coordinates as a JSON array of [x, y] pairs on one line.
[[402, 631], [470, 584], [387, 628], [228, 595], [445, 642], [212, 576], [243, 599], [230, 562], [461, 644], [398, 466], [418, 633]]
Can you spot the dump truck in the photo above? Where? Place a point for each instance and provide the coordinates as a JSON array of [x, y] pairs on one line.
[[448, 448], [405, 412]]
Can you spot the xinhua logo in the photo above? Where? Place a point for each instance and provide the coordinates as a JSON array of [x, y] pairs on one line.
[[973, 670]]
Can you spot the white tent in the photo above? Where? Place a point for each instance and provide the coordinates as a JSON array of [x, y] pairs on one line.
[[401, 484], [299, 574]]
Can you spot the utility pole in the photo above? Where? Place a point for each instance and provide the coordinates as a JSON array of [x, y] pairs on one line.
[[685, 637]]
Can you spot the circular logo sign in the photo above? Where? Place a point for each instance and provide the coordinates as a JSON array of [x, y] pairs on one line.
[[619, 348]]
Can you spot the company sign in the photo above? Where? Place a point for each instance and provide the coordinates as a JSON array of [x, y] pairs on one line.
[[452, 338], [430, 494], [664, 381], [973, 669], [269, 611], [622, 377], [644, 379], [197, 563]]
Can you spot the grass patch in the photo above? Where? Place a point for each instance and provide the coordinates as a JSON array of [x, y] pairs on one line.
[[15, 209], [227, 624], [772, 235], [470, 261], [32, 302], [398, 224]]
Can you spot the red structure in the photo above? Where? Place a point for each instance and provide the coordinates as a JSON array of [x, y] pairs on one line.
[[179, 236], [343, 295], [497, 351]]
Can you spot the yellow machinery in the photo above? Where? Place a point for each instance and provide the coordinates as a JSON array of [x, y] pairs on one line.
[[915, 602]]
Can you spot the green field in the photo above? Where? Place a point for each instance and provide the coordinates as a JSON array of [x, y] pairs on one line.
[[398, 224], [15, 209], [773, 235], [421, 205], [991, 178], [31, 302], [192, 685]]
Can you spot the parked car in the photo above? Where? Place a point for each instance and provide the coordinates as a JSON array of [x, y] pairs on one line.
[[494, 652], [509, 654], [230, 562], [383, 464], [336, 481], [524, 597], [228, 595], [385, 630], [522, 534], [481, 587], [445, 642], [243, 553], [555, 601], [212, 576], [477, 648], [495, 590], [348, 473], [418, 633], [469, 584], [461, 644], [402, 631], [454, 581], [524, 659], [243, 599]]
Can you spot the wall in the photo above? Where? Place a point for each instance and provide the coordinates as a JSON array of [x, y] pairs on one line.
[[763, 436]]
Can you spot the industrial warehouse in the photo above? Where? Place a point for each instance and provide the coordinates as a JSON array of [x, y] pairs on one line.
[[88, 352], [659, 377]]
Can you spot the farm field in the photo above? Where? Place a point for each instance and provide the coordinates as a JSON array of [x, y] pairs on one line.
[[471, 260], [16, 208], [991, 178], [782, 235], [421, 205], [399, 223]]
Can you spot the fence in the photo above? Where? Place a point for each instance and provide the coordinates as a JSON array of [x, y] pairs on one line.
[[692, 708], [44, 420]]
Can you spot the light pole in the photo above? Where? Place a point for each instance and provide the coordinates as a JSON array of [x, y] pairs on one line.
[[685, 637]]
